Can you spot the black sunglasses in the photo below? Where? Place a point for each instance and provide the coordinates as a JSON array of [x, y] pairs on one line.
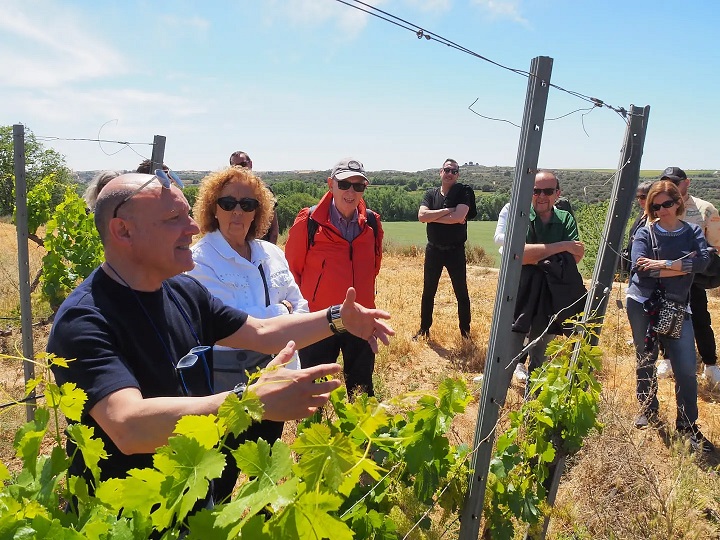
[[667, 204], [641, 197], [449, 170], [166, 178], [188, 361], [545, 191], [246, 164], [357, 186], [247, 204]]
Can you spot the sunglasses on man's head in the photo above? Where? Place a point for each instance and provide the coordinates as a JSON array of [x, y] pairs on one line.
[[357, 186], [166, 178], [247, 204], [545, 191], [667, 204], [450, 170]]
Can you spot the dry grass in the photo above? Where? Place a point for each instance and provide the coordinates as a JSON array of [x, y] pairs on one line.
[[624, 484]]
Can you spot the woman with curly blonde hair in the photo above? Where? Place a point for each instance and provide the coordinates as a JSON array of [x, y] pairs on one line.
[[234, 209]]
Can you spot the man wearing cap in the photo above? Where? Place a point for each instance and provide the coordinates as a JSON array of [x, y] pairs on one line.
[[338, 243], [704, 215], [444, 209]]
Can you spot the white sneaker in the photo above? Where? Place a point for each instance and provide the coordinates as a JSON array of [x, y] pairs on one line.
[[664, 369], [521, 373], [712, 375]]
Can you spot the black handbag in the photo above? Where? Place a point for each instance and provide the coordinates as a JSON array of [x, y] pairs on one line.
[[670, 318], [710, 278]]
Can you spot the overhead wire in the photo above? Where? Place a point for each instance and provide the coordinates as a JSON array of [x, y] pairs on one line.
[[421, 32]]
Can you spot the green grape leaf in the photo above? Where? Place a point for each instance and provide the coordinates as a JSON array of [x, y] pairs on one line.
[[252, 499], [239, 414], [29, 438], [188, 469], [93, 450], [138, 492], [309, 517], [4, 472], [72, 401], [254, 459], [204, 429], [327, 459]]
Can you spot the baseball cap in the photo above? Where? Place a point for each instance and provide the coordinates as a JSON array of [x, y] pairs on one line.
[[347, 168], [675, 174]]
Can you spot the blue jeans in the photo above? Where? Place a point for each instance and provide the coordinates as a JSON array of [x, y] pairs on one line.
[[681, 352]]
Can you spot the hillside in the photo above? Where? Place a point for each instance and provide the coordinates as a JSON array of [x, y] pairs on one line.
[[579, 185]]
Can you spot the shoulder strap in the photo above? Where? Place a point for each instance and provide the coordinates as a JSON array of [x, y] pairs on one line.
[[372, 221], [264, 280], [313, 225], [653, 241]]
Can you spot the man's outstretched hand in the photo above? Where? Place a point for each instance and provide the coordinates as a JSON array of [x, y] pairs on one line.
[[365, 323], [293, 394]]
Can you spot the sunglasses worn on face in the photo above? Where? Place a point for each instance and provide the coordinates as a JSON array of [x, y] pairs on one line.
[[166, 178], [641, 197], [667, 204], [247, 204], [357, 186], [188, 361], [246, 164], [545, 191], [450, 170]]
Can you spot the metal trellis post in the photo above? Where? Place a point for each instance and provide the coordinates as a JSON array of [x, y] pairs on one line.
[[502, 340], [21, 220], [621, 201]]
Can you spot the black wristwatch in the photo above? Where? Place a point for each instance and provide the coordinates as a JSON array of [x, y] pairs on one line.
[[239, 389], [335, 320]]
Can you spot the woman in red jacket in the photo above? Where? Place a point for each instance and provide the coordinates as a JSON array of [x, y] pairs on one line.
[[335, 245]]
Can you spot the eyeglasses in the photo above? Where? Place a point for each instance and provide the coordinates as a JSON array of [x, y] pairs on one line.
[[450, 170], [545, 191], [188, 361], [247, 204], [641, 197], [357, 186], [166, 178], [667, 204]]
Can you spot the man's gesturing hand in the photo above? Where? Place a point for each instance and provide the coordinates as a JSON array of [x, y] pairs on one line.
[[365, 323]]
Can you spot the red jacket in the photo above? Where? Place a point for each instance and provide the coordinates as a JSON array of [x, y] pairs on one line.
[[325, 270]]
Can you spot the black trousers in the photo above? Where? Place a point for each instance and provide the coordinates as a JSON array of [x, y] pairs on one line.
[[704, 335], [454, 260], [358, 360]]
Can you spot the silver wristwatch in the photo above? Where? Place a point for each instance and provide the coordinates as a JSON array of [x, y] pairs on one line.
[[335, 320]]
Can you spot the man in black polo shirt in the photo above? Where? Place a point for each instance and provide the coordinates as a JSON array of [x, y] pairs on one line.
[[445, 210]]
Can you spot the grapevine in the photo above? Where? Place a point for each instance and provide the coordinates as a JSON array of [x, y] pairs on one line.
[[362, 470], [546, 428]]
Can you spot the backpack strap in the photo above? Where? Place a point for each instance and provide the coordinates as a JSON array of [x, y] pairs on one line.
[[313, 225]]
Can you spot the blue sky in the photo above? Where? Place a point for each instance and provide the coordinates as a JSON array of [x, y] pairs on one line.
[[299, 84]]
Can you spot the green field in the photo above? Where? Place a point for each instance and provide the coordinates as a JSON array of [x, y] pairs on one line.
[[408, 233]]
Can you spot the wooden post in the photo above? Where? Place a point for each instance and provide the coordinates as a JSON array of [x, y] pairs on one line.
[[21, 221], [158, 153]]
